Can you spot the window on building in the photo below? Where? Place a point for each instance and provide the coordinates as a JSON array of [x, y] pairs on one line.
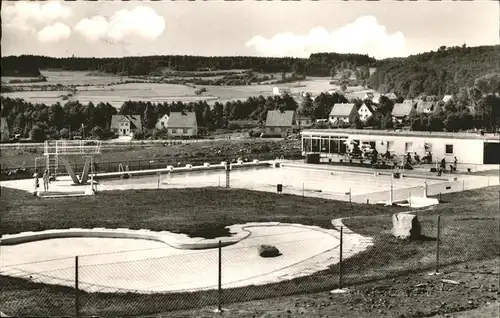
[[185, 130], [428, 147], [409, 147], [449, 149], [390, 146]]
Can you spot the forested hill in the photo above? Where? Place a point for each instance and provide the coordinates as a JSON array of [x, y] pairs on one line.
[[438, 73], [317, 64]]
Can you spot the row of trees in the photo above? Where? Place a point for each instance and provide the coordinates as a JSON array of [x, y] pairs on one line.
[[316, 65]]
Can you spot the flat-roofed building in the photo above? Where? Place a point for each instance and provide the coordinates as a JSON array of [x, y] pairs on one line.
[[469, 148]]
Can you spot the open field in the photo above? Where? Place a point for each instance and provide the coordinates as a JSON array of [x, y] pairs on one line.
[[117, 94], [70, 78], [469, 232]]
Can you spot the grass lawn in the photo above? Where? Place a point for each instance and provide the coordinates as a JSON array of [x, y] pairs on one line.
[[196, 212], [206, 211], [13, 158]]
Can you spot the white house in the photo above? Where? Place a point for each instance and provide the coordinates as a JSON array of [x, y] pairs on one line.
[[469, 148], [365, 112], [124, 125], [447, 98], [182, 124], [162, 123], [280, 91], [342, 113]]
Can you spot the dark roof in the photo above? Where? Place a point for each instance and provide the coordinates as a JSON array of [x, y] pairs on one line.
[[182, 120], [402, 109], [278, 118], [342, 109], [135, 121]]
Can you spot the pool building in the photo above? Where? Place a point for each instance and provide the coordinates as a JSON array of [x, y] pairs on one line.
[[469, 148]]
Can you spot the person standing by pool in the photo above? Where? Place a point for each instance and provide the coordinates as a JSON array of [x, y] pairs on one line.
[[46, 180]]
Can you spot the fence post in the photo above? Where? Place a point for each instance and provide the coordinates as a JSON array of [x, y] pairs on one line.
[[409, 199], [302, 191], [77, 305], [159, 176], [350, 196], [340, 252], [437, 242], [220, 278]]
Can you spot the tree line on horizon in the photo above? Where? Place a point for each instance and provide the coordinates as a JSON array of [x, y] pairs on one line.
[[316, 65]]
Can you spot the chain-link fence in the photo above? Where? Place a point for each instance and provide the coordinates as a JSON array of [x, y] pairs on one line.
[[159, 278]]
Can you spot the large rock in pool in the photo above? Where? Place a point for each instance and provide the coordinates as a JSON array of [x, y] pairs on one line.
[[268, 251]]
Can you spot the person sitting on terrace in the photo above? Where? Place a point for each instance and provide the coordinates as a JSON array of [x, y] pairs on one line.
[[416, 157], [387, 155]]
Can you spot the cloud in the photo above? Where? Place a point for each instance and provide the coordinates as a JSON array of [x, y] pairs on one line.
[[363, 36], [142, 21], [54, 33], [25, 16]]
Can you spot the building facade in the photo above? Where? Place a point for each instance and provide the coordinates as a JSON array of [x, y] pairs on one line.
[[279, 123], [162, 123], [124, 125], [182, 124], [468, 148]]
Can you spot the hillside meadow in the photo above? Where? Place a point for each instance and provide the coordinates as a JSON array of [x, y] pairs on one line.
[[97, 88]]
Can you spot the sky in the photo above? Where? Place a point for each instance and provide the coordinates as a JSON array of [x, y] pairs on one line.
[[250, 28]]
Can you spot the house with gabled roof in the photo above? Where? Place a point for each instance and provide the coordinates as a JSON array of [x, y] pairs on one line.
[[447, 98], [162, 122], [182, 124], [343, 113], [365, 112], [391, 96], [279, 122], [424, 107], [124, 125], [402, 111], [4, 129]]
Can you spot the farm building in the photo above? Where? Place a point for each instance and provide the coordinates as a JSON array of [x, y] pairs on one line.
[[182, 124], [162, 122], [365, 112], [467, 147], [4, 129], [279, 122], [124, 125], [343, 113], [281, 91]]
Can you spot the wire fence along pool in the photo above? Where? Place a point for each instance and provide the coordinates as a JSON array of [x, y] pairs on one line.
[[148, 280]]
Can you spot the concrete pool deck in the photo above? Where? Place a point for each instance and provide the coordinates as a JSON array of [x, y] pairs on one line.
[[158, 267], [312, 180]]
